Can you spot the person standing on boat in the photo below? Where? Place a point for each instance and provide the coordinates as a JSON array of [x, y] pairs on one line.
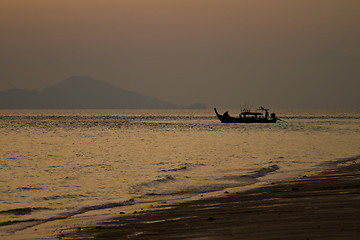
[[273, 116], [266, 114]]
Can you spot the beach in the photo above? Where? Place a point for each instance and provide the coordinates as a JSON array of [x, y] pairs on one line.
[[323, 206]]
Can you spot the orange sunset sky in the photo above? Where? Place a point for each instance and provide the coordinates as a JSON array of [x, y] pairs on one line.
[[281, 53]]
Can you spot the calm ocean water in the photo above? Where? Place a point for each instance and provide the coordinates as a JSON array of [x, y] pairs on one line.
[[56, 163]]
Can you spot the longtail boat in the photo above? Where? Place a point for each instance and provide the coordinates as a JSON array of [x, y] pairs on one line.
[[248, 117]]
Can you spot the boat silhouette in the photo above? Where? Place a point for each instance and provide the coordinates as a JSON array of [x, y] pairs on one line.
[[248, 117]]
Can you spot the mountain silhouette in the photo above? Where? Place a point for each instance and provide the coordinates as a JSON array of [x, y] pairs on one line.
[[83, 92]]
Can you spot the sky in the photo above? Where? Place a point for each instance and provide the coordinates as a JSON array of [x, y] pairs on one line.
[[224, 53]]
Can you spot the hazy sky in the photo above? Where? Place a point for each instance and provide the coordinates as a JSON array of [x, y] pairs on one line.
[[225, 53]]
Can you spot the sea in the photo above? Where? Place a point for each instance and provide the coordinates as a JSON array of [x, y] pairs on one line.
[[56, 164]]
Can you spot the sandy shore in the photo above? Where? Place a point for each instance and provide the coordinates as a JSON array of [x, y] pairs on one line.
[[325, 206]]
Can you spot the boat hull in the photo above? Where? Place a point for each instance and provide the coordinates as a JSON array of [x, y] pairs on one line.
[[228, 119]]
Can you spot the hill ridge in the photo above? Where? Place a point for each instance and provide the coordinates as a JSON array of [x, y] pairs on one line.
[[83, 92]]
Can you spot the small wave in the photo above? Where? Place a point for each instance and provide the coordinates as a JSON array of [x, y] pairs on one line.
[[209, 188], [61, 216], [22, 211], [165, 179], [256, 174], [28, 188], [7, 223], [189, 191], [175, 169], [343, 160], [141, 187], [183, 167], [66, 196], [240, 178], [264, 171], [105, 206]]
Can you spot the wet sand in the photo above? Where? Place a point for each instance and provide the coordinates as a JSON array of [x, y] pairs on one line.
[[325, 206]]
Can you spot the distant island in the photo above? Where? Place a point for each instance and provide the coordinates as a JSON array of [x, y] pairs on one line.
[[83, 92]]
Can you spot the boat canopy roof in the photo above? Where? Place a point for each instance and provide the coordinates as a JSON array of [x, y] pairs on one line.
[[251, 113]]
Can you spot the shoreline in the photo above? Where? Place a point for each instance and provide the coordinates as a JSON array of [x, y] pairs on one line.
[[296, 204], [323, 206], [58, 226]]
